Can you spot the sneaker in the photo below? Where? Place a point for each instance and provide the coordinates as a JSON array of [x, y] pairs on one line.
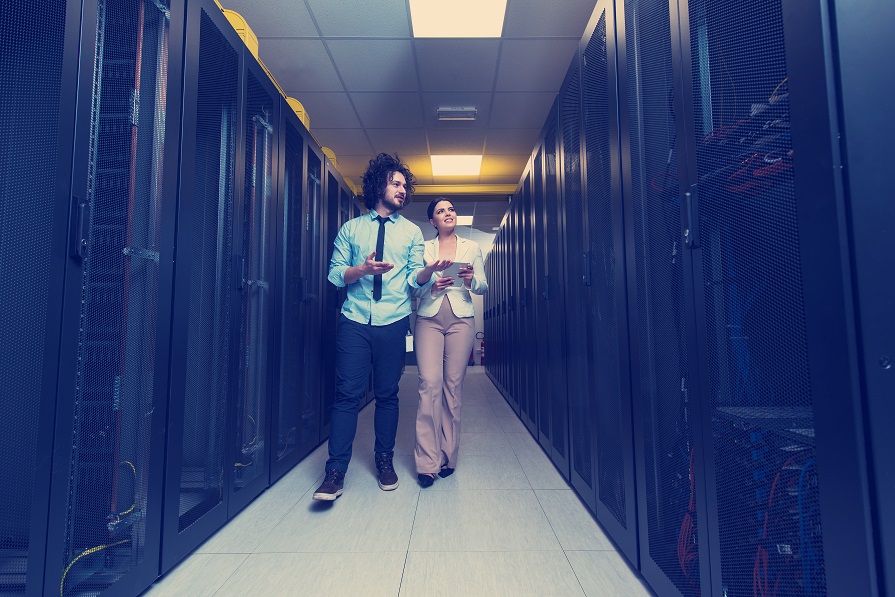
[[331, 488], [388, 478]]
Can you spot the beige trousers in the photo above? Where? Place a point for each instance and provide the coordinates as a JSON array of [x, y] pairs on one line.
[[442, 344]]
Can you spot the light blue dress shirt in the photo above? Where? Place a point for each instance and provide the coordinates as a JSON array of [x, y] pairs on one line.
[[403, 247]]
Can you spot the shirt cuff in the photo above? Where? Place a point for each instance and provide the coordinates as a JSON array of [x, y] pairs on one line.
[[337, 275]]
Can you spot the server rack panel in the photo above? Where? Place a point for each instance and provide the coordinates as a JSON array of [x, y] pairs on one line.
[[553, 293], [768, 315], [574, 230], [539, 270], [255, 244], [513, 373], [528, 373], [38, 75], [315, 273], [106, 497], [860, 31], [295, 415], [205, 331], [670, 556], [326, 344], [609, 388]]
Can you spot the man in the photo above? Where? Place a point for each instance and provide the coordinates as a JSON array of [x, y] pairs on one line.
[[379, 257]]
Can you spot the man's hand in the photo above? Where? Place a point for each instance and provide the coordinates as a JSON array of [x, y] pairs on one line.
[[373, 267]]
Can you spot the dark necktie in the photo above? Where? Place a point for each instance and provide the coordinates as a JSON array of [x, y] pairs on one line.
[[380, 247]]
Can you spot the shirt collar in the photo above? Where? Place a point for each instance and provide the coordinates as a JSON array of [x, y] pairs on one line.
[[373, 215]]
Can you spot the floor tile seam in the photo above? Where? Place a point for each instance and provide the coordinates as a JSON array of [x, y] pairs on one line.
[[232, 573], [409, 543]]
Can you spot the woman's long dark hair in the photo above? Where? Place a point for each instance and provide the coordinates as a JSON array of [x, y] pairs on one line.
[[379, 174]]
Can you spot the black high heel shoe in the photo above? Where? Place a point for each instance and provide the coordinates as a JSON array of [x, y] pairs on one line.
[[445, 471], [426, 479]]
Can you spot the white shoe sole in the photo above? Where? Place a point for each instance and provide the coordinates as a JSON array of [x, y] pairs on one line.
[[327, 497], [388, 487]]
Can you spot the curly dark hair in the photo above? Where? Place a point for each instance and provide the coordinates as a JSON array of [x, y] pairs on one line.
[[379, 174]]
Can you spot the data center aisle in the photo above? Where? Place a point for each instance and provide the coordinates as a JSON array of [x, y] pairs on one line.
[[506, 523]]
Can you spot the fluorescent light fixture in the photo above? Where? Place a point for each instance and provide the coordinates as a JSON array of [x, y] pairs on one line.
[[456, 165], [457, 18], [464, 220], [456, 113], [496, 228]]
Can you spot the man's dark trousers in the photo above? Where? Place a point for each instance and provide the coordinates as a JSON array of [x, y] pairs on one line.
[[358, 348]]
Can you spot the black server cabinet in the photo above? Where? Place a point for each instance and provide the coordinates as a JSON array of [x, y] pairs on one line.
[[106, 496], [37, 114], [861, 32], [539, 321], [317, 260], [528, 374], [255, 243], [512, 263], [295, 414], [607, 317], [670, 556], [783, 454], [332, 295], [205, 335], [577, 297], [553, 294]]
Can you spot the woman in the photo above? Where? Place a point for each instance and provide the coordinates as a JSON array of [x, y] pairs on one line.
[[445, 331]]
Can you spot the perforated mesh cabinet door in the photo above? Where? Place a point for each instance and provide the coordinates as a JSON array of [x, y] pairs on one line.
[[744, 206], [297, 417], [250, 410], [315, 254], [33, 215], [581, 414], [111, 471], [209, 335], [661, 385]]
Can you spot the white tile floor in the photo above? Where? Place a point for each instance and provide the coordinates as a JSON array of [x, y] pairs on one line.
[[506, 523]]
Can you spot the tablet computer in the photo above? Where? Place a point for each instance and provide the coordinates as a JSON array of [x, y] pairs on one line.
[[453, 270]]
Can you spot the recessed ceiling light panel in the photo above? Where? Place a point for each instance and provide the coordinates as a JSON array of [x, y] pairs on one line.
[[457, 18], [456, 165], [464, 220]]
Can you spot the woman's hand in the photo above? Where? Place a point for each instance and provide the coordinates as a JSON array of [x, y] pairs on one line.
[[442, 283], [466, 275], [438, 266]]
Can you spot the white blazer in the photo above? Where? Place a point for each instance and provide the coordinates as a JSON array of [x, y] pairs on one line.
[[468, 251]]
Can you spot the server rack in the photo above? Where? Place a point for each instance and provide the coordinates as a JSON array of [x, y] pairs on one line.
[[605, 271], [553, 293], [255, 243], [106, 494], [206, 325], [528, 374], [671, 532], [295, 415], [36, 161], [574, 232]]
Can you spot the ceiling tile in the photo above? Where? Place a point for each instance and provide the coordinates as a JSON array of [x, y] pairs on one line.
[[534, 64], [275, 18], [353, 166], [345, 141], [456, 142], [536, 18], [399, 110], [350, 18], [410, 140], [492, 208], [520, 110], [300, 64], [420, 165], [456, 64], [510, 141], [327, 110], [374, 64]]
